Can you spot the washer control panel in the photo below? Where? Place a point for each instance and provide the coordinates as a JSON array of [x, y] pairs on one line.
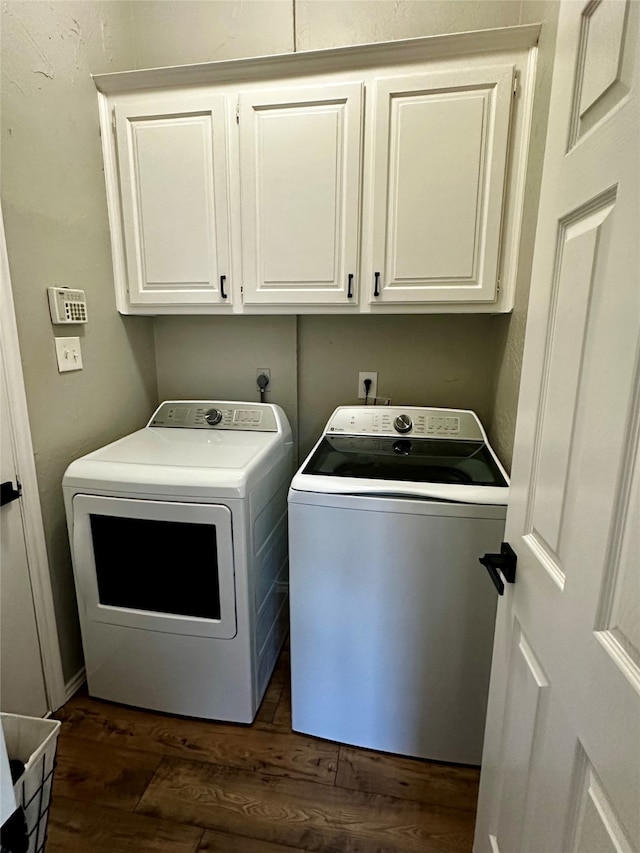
[[408, 420], [210, 414]]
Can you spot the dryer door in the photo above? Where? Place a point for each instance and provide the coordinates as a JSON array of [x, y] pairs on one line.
[[155, 565]]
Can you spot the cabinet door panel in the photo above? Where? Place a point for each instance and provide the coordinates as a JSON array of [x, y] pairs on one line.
[[173, 179], [300, 173], [440, 156]]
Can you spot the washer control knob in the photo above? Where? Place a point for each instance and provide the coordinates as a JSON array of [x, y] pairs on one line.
[[403, 423], [213, 416]]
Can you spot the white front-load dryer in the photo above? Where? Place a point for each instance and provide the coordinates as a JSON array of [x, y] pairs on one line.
[[178, 535]]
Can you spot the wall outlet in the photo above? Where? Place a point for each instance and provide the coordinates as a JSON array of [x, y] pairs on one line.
[[68, 354], [367, 374], [263, 371]]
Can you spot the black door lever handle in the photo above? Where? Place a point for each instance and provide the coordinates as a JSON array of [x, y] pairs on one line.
[[8, 493], [502, 565]]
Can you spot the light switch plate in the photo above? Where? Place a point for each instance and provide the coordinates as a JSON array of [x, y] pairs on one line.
[[68, 354]]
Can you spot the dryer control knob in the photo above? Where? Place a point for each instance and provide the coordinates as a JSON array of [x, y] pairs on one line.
[[403, 423], [213, 416]]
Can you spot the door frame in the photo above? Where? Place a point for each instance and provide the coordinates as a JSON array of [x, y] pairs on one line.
[[35, 542]]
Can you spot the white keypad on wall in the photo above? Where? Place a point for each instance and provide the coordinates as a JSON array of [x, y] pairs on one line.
[[67, 305]]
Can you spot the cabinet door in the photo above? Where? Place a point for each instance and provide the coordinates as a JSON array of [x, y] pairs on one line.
[[439, 160], [174, 185], [300, 153]]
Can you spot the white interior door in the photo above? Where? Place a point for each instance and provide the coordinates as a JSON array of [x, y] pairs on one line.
[[561, 763], [31, 678], [22, 684]]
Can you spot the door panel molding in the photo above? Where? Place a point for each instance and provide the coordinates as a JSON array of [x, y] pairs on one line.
[[607, 34], [618, 623], [527, 685], [577, 255], [593, 820]]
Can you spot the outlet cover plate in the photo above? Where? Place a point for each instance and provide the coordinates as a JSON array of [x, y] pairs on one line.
[[373, 376], [267, 373]]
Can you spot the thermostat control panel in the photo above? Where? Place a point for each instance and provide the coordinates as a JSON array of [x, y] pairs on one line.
[[67, 305]]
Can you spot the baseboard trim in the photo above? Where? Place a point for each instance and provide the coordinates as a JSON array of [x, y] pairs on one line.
[[74, 684]]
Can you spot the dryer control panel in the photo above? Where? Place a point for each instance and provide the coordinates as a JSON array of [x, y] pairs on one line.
[[212, 414], [407, 420]]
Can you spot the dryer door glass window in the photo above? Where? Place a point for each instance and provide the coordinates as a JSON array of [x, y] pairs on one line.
[[157, 565]]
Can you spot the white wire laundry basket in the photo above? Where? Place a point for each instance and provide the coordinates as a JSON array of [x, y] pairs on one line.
[[33, 741]]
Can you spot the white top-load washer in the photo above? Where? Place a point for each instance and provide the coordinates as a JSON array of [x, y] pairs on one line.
[[179, 542], [392, 616]]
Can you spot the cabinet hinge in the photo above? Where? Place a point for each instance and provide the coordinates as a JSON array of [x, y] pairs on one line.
[[515, 84], [113, 120], [238, 113], [498, 286]]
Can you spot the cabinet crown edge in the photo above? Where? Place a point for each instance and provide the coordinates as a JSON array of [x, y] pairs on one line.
[[335, 59]]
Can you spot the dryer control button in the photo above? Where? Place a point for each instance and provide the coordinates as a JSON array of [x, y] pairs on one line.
[[403, 423], [213, 416]]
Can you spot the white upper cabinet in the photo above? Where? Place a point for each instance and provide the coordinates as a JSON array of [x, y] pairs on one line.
[[172, 162], [300, 154], [438, 175], [385, 178]]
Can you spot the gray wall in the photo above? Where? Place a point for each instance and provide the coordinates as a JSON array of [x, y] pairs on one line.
[[510, 331], [55, 217], [179, 32], [53, 202], [420, 360], [216, 358]]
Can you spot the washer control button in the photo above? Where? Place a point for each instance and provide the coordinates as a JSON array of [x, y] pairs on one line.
[[403, 423], [213, 416]]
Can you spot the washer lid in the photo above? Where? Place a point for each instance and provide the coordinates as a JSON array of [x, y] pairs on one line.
[[443, 455], [418, 460]]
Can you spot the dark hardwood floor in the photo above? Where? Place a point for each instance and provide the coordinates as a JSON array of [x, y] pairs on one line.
[[131, 780]]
